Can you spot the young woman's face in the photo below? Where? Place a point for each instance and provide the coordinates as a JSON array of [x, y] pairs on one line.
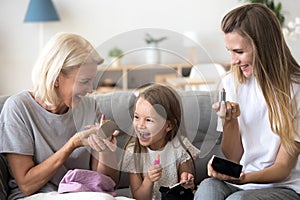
[[241, 52], [77, 84], [149, 126]]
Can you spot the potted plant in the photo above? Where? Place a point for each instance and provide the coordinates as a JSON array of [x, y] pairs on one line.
[[276, 8], [150, 40], [153, 53], [116, 55]]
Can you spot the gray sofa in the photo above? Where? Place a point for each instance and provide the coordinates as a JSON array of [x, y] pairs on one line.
[[200, 122]]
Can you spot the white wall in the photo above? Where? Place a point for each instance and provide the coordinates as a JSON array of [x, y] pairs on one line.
[[100, 20]]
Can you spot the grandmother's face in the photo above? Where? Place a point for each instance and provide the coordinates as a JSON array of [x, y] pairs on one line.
[[76, 84]]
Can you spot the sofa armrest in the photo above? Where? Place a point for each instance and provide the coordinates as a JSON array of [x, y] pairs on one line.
[[4, 176]]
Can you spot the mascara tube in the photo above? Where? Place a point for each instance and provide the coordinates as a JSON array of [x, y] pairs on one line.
[[222, 97]]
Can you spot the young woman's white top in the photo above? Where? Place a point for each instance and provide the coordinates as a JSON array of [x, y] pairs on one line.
[[260, 143], [171, 156]]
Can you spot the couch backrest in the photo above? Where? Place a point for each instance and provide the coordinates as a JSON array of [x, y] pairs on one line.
[[198, 113], [2, 101], [200, 120], [4, 177], [117, 106]]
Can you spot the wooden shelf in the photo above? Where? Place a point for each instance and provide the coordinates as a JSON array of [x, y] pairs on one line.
[[178, 67], [126, 68], [145, 67], [181, 82]]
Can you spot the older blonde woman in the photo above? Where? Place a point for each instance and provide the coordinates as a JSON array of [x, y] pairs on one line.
[[51, 129]]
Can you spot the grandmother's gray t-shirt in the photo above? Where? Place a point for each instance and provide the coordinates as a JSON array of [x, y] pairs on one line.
[[28, 129]]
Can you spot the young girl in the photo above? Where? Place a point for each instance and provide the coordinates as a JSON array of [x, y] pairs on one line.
[[159, 155]]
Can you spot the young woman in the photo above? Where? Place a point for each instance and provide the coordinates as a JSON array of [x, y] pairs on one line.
[[261, 128], [158, 154]]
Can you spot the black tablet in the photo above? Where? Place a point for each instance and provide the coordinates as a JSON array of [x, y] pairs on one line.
[[227, 167]]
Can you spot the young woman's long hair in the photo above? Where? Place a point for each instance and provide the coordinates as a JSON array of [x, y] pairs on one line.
[[274, 66]]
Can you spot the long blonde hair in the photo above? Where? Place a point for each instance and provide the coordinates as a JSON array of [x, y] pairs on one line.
[[274, 66]]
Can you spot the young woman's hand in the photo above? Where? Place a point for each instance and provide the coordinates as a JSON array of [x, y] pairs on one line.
[[227, 110], [223, 177]]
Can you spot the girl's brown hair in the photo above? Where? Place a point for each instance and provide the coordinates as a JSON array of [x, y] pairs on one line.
[[169, 100]]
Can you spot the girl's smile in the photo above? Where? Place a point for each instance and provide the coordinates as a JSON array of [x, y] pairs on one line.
[[149, 126], [143, 136]]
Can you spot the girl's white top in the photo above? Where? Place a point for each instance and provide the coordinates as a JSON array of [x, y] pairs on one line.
[[171, 156]]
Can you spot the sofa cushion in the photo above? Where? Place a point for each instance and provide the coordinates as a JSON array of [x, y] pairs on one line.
[[198, 115], [117, 106], [200, 119], [4, 175], [200, 123], [2, 101]]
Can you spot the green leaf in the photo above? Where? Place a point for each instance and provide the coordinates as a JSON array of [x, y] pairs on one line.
[[149, 39], [270, 4], [115, 52]]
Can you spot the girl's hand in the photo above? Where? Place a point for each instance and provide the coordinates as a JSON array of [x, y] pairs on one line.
[[188, 178], [155, 171], [223, 177], [227, 110]]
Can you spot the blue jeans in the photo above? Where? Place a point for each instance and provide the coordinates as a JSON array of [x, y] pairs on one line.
[[214, 189]]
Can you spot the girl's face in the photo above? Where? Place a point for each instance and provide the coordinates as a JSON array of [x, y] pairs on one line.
[[150, 127], [241, 52], [75, 85]]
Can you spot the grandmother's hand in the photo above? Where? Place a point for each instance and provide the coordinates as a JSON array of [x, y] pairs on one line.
[[227, 110], [90, 137]]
